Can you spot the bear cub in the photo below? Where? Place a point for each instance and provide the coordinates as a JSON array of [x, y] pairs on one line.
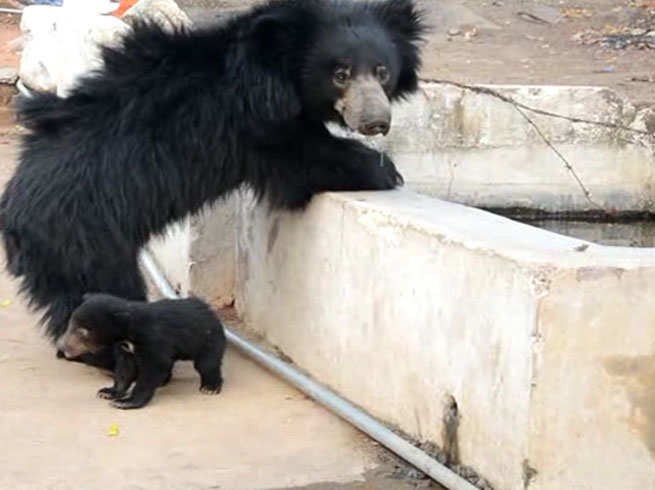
[[147, 339]]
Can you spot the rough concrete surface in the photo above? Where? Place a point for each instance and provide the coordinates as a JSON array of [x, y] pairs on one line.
[[259, 433], [544, 342]]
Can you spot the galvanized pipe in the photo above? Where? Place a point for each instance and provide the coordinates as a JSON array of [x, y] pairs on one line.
[[321, 394], [326, 397]]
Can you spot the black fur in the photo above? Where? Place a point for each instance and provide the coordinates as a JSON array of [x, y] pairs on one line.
[[173, 122], [147, 339]]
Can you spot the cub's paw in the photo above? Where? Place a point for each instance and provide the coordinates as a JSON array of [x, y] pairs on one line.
[[109, 394], [126, 404], [210, 390]]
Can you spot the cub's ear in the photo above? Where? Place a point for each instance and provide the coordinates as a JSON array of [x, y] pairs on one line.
[[405, 23], [122, 316]]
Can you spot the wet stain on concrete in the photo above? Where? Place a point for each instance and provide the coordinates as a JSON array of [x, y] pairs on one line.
[[637, 376], [529, 473], [595, 273], [272, 235], [450, 426]]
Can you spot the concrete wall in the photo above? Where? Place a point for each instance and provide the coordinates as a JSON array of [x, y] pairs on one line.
[[593, 401], [397, 300], [198, 255], [476, 149], [172, 251]]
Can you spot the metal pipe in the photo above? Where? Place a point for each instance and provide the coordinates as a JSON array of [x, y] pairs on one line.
[[326, 397], [321, 394]]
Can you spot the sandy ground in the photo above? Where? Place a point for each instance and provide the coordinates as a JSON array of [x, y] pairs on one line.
[[512, 46], [9, 31]]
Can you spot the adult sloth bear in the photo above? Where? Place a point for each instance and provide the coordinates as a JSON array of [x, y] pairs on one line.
[[174, 121]]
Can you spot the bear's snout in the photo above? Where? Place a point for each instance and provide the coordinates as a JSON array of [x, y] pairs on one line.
[[376, 127], [365, 107]]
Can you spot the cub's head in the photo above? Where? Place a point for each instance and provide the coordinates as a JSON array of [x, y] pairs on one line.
[[98, 322], [348, 59]]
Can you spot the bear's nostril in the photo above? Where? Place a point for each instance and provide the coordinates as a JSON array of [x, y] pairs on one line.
[[375, 128]]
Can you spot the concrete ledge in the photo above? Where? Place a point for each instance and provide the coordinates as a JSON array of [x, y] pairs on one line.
[[472, 149], [398, 301]]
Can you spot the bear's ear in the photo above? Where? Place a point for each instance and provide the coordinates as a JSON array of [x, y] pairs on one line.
[[405, 23], [271, 35], [272, 39], [266, 27], [402, 18]]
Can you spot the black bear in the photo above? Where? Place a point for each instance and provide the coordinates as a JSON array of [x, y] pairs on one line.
[[173, 121], [147, 339]]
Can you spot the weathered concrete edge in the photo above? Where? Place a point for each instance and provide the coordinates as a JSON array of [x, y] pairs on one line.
[[490, 233]]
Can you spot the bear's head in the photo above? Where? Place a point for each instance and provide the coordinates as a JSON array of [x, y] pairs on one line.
[[346, 60]]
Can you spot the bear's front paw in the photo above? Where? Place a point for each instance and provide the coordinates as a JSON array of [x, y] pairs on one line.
[[383, 173]]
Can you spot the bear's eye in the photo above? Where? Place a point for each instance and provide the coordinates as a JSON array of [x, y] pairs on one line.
[[341, 76], [83, 332], [382, 72]]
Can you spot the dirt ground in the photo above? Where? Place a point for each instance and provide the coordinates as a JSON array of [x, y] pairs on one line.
[[518, 47], [9, 31]]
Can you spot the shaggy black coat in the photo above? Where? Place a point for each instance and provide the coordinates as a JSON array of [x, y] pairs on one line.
[[147, 339], [173, 122]]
